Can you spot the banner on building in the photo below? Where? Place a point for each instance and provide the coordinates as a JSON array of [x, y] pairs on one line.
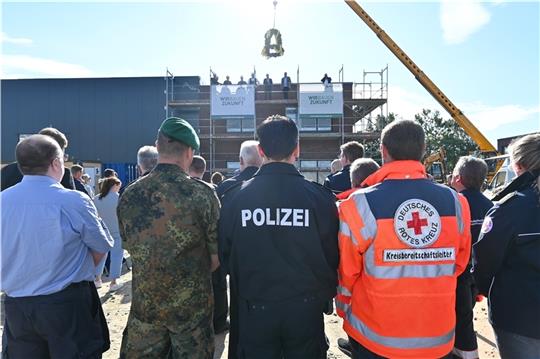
[[320, 99], [232, 101]]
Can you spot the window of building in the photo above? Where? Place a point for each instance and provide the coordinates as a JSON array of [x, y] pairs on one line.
[[291, 113], [315, 124], [189, 114], [240, 125], [315, 170], [315, 164], [233, 165]]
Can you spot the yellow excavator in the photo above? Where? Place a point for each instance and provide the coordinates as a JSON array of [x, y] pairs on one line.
[[435, 164], [486, 148]]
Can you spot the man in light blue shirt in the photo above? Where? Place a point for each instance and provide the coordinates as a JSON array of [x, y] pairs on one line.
[[52, 238]]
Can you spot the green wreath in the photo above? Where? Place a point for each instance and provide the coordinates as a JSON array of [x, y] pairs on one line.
[[269, 49]]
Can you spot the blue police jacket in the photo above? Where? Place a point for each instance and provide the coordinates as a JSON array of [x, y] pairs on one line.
[[506, 263]]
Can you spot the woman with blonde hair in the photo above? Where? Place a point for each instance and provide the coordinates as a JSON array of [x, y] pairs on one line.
[[507, 256], [106, 202]]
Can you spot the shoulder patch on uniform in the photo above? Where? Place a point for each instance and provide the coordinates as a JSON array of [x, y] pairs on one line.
[[487, 225], [417, 223]]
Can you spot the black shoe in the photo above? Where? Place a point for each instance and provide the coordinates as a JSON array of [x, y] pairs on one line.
[[222, 328], [344, 346]]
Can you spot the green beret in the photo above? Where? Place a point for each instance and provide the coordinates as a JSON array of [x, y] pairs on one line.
[[180, 130]]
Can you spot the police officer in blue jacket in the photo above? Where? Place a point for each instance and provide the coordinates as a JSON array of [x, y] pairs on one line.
[[278, 240], [467, 178], [507, 256], [341, 181]]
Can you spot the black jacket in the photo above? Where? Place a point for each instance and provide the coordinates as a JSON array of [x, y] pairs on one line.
[[11, 175], [246, 174], [278, 236], [507, 259], [339, 181], [80, 187], [479, 205]]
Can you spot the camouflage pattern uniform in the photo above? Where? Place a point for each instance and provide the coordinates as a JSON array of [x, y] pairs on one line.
[[168, 223]]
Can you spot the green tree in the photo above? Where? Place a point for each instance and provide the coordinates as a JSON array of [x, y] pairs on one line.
[[371, 147], [446, 134], [440, 133]]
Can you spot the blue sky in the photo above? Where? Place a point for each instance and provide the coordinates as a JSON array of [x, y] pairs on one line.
[[484, 56]]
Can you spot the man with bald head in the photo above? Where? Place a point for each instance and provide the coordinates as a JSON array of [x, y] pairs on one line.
[[250, 161], [52, 238]]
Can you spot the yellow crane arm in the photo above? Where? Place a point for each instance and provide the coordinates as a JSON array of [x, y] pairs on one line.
[[457, 115]]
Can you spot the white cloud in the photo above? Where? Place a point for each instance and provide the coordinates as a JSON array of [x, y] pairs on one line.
[[490, 120], [39, 67], [5, 38], [460, 19], [491, 117], [406, 104]]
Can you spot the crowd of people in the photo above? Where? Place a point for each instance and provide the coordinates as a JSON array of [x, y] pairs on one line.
[[402, 259], [268, 83]]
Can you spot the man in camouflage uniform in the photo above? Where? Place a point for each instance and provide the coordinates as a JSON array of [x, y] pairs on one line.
[[168, 223]]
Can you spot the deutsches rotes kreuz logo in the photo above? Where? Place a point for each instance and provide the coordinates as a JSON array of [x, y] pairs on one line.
[[417, 223]]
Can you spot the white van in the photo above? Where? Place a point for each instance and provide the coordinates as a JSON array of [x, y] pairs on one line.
[[503, 176]]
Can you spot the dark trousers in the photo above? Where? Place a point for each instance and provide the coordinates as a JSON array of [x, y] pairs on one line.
[[286, 93], [221, 305], [361, 352], [66, 324], [233, 315], [465, 301], [291, 329]]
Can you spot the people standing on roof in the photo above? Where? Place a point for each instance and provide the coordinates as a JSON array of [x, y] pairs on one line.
[[227, 81], [52, 239], [278, 242], [326, 80], [214, 78], [242, 82], [253, 80], [168, 222], [506, 263], [268, 83], [285, 85], [467, 178], [341, 181], [403, 242]]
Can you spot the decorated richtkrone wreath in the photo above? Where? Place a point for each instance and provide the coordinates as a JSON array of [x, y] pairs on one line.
[[272, 49]]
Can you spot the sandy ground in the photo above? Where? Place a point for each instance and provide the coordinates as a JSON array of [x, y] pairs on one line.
[[116, 306]]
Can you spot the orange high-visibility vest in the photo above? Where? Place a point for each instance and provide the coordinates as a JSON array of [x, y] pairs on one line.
[[402, 242]]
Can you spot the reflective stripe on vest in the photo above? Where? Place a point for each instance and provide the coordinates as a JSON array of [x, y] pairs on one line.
[[396, 342], [345, 230], [343, 291], [370, 223], [342, 306], [405, 271], [459, 215]]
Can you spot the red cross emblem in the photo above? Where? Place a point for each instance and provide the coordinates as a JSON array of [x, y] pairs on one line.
[[417, 223]]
